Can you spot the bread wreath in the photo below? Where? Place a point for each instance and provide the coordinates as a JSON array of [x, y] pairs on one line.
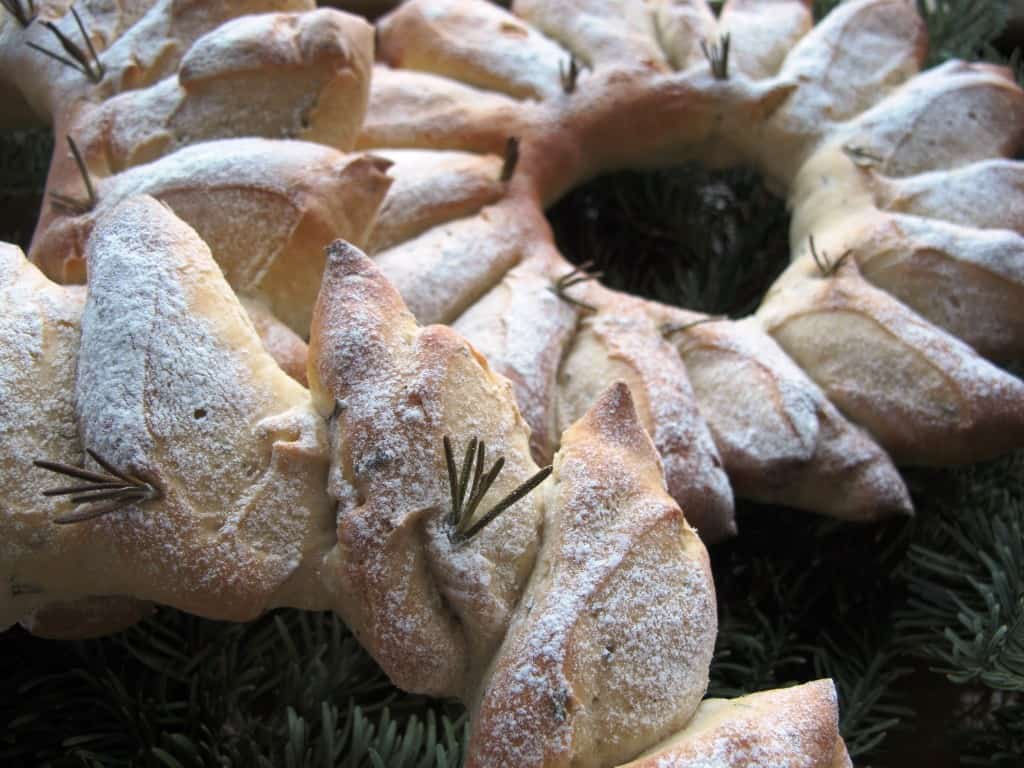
[[482, 117]]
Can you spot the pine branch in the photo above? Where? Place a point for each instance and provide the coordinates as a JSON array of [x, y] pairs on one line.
[[966, 581], [864, 665], [292, 689], [961, 29]]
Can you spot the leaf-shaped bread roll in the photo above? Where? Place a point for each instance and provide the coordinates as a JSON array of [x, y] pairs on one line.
[[988, 195], [947, 117], [430, 606], [446, 269], [781, 440], [925, 396], [265, 208], [795, 727], [432, 188], [967, 281], [40, 333], [621, 342], [300, 76], [858, 53], [174, 388], [610, 645], [473, 42], [682, 26], [137, 44]]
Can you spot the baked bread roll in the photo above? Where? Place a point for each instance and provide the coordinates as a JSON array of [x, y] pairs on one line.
[[761, 33], [969, 282], [136, 44], [859, 52], [479, 44], [266, 209], [599, 33], [299, 76], [925, 396], [432, 188], [682, 26], [281, 342], [446, 269], [610, 646], [413, 110], [174, 389], [392, 392], [781, 440], [620, 341], [795, 727], [986, 195]]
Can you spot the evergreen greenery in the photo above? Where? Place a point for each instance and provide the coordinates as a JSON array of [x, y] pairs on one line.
[[933, 604]]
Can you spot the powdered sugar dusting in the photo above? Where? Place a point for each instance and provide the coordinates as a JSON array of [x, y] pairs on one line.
[[170, 361], [620, 609]]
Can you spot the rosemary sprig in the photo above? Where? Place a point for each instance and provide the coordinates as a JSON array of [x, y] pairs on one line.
[[70, 206], [860, 156], [508, 167], [717, 55], [462, 509], [24, 16], [88, 63], [825, 264], [667, 329], [569, 75], [575, 276], [101, 493]]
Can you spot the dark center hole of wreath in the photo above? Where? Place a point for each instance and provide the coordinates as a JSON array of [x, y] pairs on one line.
[[711, 241]]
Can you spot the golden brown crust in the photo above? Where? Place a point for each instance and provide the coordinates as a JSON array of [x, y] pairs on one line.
[[796, 727], [300, 75], [610, 646], [443, 271], [523, 328], [787, 444], [410, 109], [967, 281]]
